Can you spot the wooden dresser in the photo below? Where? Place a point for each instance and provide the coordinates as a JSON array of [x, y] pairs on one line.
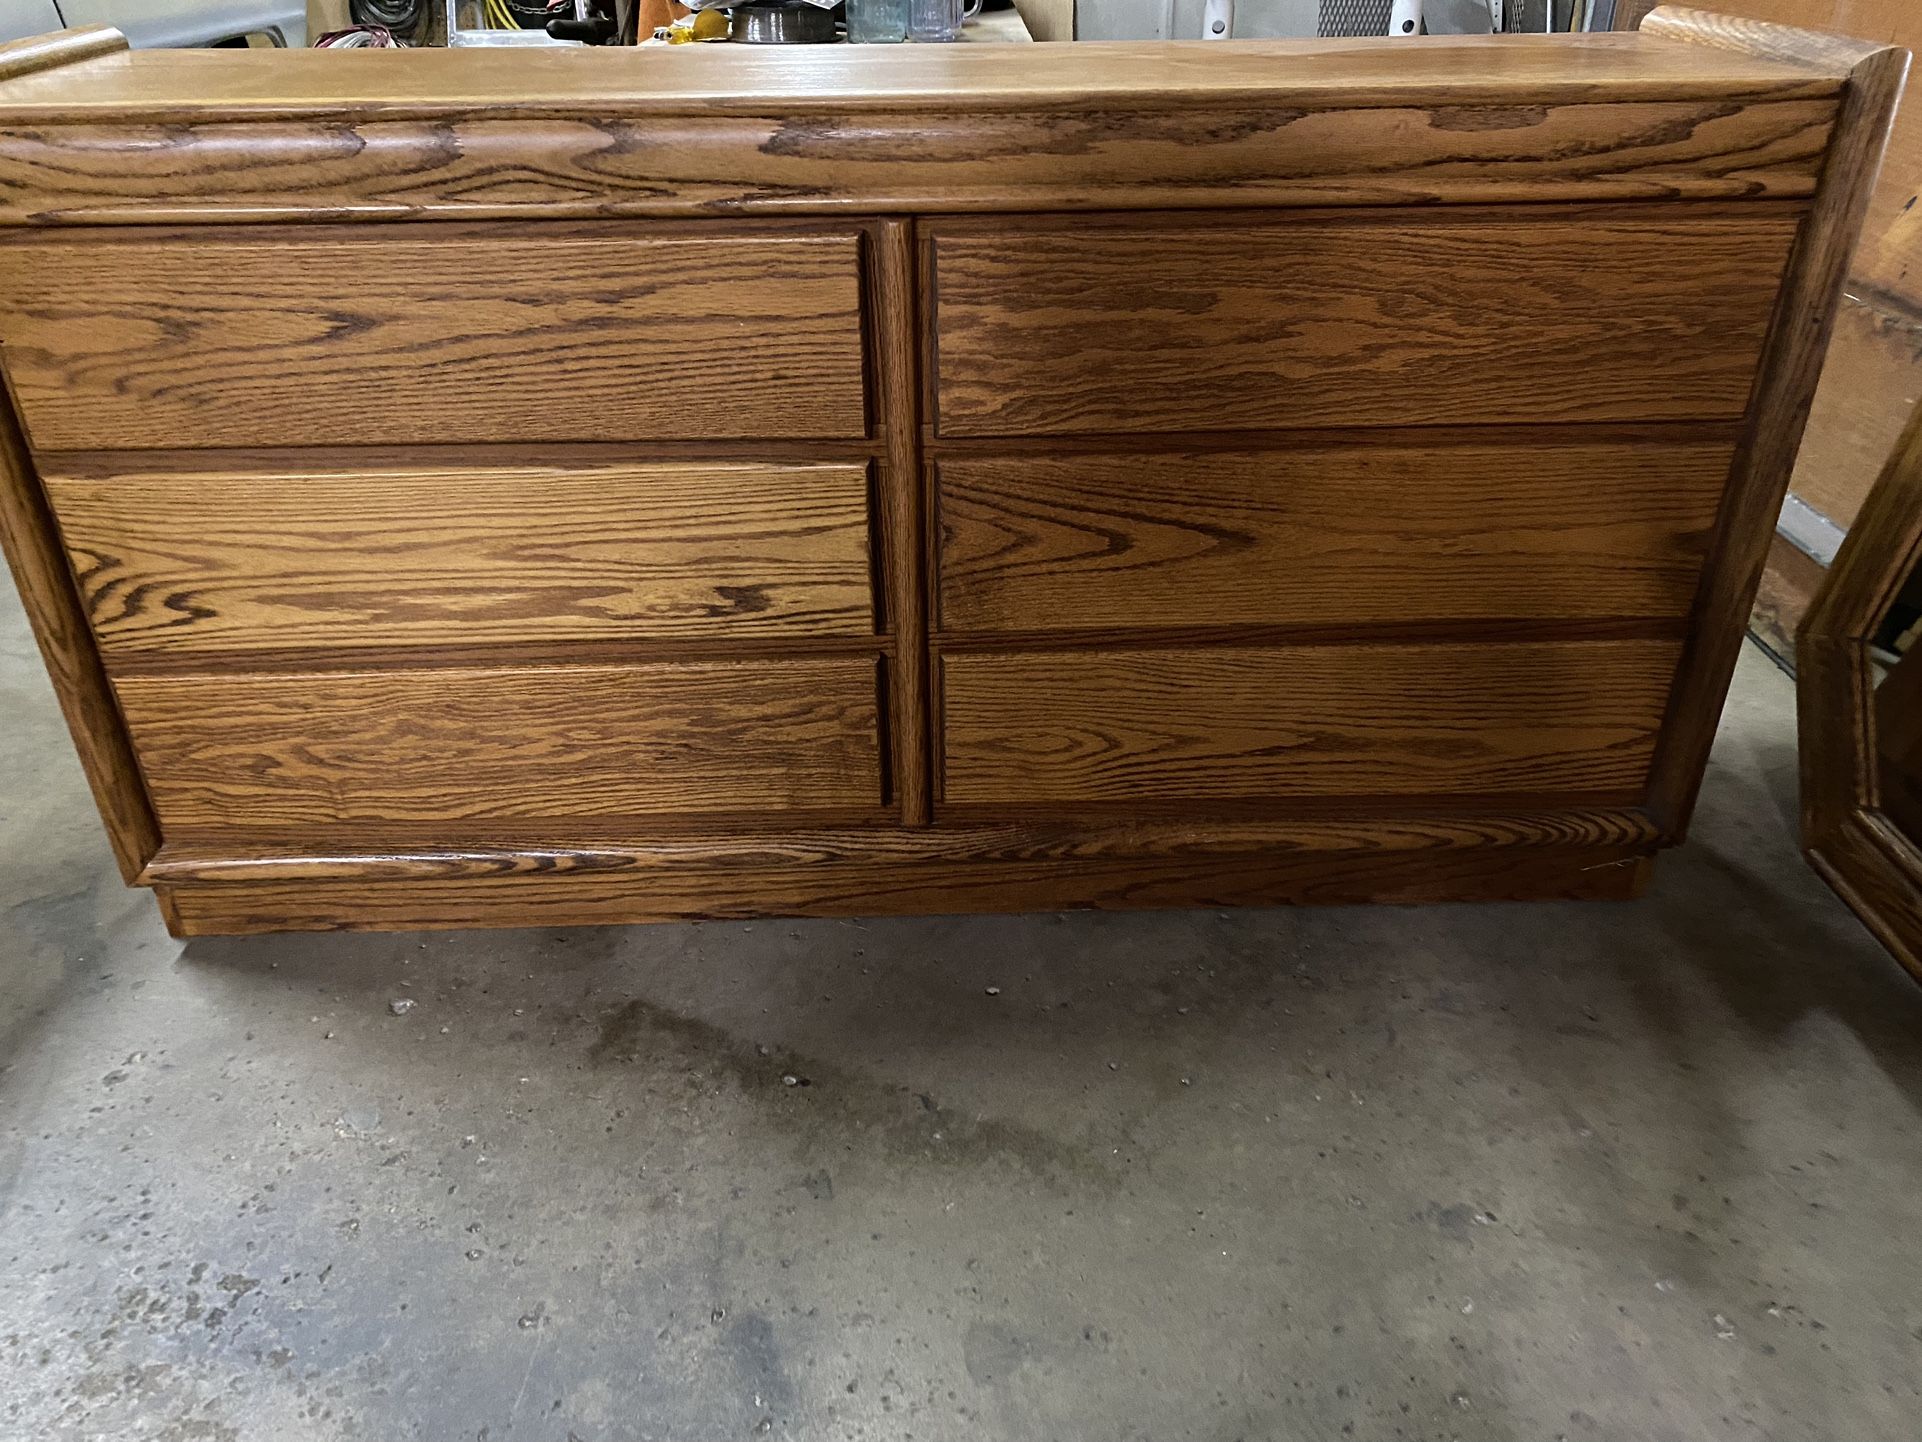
[[481, 487]]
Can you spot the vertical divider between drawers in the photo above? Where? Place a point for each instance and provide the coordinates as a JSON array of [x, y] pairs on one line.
[[895, 413]]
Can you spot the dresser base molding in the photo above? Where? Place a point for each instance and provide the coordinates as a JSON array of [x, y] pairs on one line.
[[893, 886]]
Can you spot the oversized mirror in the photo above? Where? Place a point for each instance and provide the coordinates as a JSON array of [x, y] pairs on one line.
[[1859, 669]]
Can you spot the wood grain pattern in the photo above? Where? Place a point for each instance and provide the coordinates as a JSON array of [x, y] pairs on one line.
[[1880, 552], [902, 521], [475, 133], [1566, 528], [1872, 373], [1201, 650], [397, 334], [1784, 388], [1888, 261], [178, 564], [32, 546], [1898, 745], [1524, 147], [1877, 875], [1835, 743], [1762, 39], [1044, 328], [176, 85], [257, 755], [33, 53], [1314, 825], [1874, 866], [453, 453], [1335, 633], [1135, 726], [872, 888]]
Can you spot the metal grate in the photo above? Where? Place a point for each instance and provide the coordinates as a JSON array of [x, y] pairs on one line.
[[1354, 17]]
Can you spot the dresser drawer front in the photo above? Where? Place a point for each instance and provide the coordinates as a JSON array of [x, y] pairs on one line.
[[358, 335], [259, 754], [1160, 726], [1326, 534], [199, 561], [1167, 326]]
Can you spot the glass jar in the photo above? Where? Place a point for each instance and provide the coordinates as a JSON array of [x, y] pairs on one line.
[[939, 19], [877, 22]]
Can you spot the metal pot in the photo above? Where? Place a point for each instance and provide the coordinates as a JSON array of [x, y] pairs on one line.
[[792, 24]]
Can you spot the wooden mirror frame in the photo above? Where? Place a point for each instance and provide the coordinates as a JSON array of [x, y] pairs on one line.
[[1850, 841]]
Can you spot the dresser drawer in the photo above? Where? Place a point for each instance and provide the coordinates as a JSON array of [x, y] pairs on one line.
[[373, 334], [1327, 534], [259, 754], [1046, 728], [1128, 326], [185, 561]]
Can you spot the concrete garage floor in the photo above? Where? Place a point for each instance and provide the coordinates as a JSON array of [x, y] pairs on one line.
[[1599, 1171]]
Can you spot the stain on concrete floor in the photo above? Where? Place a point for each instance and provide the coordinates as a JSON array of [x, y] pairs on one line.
[[1591, 1171]]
